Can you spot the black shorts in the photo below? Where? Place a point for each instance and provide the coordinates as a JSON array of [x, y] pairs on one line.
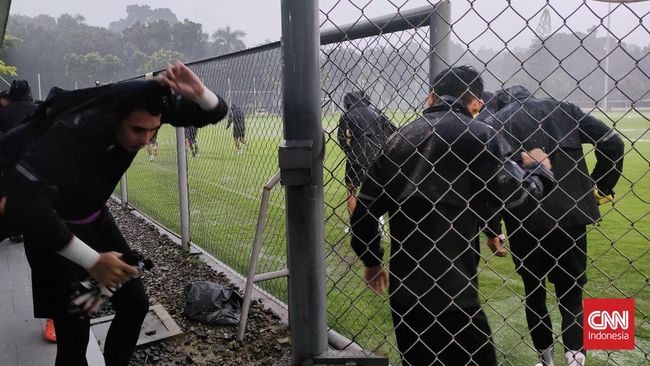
[[238, 131], [560, 255], [354, 174], [190, 134]]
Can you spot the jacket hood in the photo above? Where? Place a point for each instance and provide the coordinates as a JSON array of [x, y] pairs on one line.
[[515, 93], [20, 90], [355, 99]]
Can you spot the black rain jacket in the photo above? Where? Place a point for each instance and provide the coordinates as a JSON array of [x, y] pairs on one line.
[[362, 130], [560, 129]]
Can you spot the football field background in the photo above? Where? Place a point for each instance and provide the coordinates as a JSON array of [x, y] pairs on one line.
[[225, 191]]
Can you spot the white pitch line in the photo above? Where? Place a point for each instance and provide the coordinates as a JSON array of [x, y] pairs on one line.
[[242, 194]]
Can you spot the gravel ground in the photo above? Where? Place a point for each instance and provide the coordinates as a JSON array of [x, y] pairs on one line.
[[266, 341]]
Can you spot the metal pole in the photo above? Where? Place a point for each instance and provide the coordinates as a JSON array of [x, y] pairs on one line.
[[40, 94], [254, 98], [304, 184], [183, 194], [439, 34], [229, 93], [124, 194], [609, 23], [257, 247]]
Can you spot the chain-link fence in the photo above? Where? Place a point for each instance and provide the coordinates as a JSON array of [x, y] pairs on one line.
[[591, 59]]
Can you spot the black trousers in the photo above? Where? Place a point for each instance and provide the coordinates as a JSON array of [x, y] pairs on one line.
[[130, 304], [52, 276], [560, 256], [457, 337]]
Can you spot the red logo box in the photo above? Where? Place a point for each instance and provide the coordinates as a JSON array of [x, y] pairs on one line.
[[608, 324]]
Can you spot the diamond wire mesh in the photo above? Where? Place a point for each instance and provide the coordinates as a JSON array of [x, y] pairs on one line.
[[557, 61], [552, 59]]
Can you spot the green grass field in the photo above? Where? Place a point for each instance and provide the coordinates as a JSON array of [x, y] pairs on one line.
[[225, 190]]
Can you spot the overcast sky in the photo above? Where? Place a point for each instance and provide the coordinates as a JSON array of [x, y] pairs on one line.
[[260, 19]]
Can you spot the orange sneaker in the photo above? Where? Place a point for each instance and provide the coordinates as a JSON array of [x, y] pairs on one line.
[[50, 334]]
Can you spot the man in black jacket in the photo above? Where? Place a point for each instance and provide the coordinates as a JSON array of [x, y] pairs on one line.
[[362, 132], [440, 178], [20, 106], [551, 240], [77, 147]]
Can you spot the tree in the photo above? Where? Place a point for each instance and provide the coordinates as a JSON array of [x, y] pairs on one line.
[[149, 37], [92, 66], [159, 60], [227, 41], [142, 14], [189, 39], [5, 69]]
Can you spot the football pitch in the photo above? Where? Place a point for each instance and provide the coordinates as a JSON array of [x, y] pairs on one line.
[[225, 191]]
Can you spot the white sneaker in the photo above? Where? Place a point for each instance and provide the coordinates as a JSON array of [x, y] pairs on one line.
[[546, 357], [575, 358], [152, 158]]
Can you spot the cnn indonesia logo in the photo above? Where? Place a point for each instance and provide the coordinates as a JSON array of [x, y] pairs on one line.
[[608, 324]]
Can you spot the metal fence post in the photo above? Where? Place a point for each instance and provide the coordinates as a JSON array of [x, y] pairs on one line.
[[183, 194], [301, 164], [439, 39], [124, 193]]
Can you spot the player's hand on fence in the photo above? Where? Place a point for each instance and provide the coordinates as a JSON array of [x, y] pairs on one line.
[[535, 156], [3, 204], [601, 198], [377, 279], [182, 81], [496, 246], [111, 271]]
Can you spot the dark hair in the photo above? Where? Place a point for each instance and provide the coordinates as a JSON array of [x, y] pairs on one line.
[[462, 82], [4, 94], [154, 100]]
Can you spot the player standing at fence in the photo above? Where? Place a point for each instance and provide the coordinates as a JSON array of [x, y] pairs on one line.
[[57, 188], [238, 120], [551, 241], [362, 133], [439, 178]]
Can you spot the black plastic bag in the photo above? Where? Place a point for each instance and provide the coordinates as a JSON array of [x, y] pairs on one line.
[[212, 303]]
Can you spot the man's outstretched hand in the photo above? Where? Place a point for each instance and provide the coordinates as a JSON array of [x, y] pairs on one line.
[[182, 81]]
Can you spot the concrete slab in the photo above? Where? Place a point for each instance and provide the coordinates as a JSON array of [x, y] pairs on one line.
[[158, 325]]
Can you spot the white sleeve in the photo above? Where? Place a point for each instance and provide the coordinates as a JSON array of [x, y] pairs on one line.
[[208, 100], [80, 253]]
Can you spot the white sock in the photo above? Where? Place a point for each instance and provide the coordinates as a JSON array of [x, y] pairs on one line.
[[546, 357], [575, 358]]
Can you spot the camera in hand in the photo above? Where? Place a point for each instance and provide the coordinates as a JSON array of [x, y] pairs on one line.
[[89, 295]]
